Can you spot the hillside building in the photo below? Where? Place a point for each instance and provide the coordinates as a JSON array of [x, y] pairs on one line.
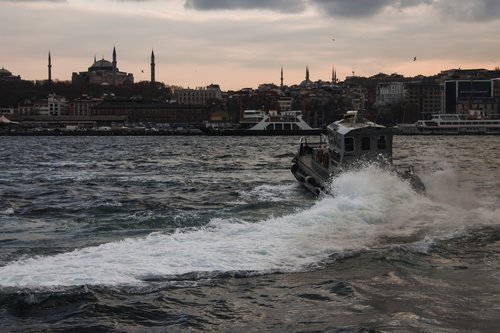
[[199, 96]]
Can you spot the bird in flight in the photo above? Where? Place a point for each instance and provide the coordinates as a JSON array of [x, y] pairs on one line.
[[414, 58]]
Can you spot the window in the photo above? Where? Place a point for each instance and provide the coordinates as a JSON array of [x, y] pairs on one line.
[[349, 144], [365, 143], [382, 143]]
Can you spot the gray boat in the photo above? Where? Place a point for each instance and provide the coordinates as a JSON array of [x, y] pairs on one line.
[[349, 144]]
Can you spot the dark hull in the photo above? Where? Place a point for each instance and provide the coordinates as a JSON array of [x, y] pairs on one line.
[[246, 132], [316, 181]]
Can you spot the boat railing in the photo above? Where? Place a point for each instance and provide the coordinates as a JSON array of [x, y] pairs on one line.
[[307, 146]]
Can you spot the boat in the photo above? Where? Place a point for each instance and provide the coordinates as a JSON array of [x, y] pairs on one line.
[[474, 122], [257, 122], [349, 143]]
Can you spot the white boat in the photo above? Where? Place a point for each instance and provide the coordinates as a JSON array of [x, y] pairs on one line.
[[453, 124], [257, 120], [348, 144], [260, 123]]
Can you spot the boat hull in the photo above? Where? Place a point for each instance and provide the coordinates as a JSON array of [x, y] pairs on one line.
[[317, 183], [249, 132], [307, 177]]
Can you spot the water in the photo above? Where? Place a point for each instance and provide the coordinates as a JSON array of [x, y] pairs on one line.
[[166, 234]]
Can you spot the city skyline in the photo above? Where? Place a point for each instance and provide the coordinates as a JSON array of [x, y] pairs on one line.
[[241, 44]]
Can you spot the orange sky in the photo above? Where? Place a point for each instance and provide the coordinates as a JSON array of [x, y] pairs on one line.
[[198, 42]]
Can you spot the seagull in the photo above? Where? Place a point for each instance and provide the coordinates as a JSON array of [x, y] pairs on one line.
[[414, 58]]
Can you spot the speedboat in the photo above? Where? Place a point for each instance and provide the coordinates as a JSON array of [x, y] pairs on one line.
[[349, 143]]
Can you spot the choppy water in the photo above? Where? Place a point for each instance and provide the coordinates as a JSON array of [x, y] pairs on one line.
[[165, 234]]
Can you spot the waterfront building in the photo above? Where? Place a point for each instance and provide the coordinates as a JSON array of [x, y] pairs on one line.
[[285, 103], [389, 93], [25, 109], [82, 106], [145, 112], [199, 96], [104, 72], [423, 96], [56, 105], [52, 106], [464, 74], [460, 95], [40, 107]]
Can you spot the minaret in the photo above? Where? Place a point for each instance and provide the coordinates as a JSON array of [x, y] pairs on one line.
[[152, 66], [307, 73], [334, 75], [281, 78], [114, 66], [50, 69]]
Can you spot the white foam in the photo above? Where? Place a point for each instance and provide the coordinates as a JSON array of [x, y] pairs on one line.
[[8, 211], [268, 193], [367, 205]]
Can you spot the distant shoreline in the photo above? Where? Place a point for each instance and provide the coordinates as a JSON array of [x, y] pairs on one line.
[[162, 133]]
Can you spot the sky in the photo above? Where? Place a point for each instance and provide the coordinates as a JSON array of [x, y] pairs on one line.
[[243, 43]]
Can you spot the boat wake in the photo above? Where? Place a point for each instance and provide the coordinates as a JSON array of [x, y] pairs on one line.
[[367, 206]]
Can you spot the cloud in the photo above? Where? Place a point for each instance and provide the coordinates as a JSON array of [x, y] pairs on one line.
[[363, 8], [352, 8], [284, 6], [467, 10], [477, 10], [340, 8], [15, 1]]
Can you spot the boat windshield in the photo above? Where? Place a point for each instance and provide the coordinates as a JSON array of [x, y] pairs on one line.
[[349, 144], [382, 142]]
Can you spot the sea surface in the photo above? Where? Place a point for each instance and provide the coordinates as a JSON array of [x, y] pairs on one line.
[[213, 234]]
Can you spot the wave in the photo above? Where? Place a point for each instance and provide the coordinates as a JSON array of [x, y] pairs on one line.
[[368, 206]]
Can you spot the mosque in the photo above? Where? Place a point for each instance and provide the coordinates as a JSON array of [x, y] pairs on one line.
[[6, 75], [103, 72]]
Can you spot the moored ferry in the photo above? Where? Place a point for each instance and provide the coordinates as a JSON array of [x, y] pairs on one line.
[[257, 122], [275, 121], [454, 124]]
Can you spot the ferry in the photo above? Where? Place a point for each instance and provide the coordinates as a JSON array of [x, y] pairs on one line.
[[349, 142], [257, 122], [274, 120], [475, 122]]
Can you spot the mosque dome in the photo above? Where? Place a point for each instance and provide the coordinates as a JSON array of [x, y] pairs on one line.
[[306, 83], [4, 72], [101, 64]]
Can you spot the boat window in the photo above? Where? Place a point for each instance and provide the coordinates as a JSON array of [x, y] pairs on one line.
[[349, 144], [381, 142], [365, 143]]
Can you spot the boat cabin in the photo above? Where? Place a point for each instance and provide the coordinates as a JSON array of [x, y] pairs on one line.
[[349, 144], [354, 139]]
